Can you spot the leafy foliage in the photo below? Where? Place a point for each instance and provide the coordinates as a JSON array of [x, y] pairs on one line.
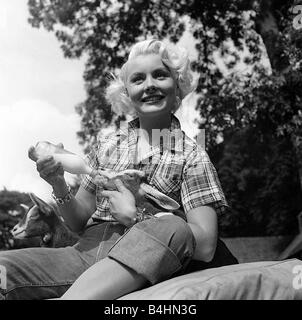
[[104, 30], [260, 179], [250, 87], [10, 200]]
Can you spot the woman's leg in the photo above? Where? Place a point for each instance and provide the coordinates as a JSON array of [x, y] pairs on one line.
[[150, 252], [39, 273], [105, 280], [44, 273]]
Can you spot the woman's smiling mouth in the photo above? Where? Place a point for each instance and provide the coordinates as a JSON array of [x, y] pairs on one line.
[[152, 98]]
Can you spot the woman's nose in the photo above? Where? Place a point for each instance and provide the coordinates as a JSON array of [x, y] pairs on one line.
[[149, 85]]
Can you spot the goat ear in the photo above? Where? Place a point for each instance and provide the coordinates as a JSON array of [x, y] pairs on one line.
[[43, 206], [160, 198], [32, 154]]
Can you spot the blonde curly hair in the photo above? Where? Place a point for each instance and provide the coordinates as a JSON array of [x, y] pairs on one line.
[[175, 58]]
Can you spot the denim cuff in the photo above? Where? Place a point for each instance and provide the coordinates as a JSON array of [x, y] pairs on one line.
[[146, 255]]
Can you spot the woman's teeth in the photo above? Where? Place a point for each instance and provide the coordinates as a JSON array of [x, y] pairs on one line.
[[153, 99]]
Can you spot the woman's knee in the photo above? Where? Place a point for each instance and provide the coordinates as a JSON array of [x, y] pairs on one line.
[[172, 231], [179, 232], [175, 225], [156, 248]]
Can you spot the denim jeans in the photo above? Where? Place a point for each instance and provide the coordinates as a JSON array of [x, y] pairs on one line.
[[158, 249]]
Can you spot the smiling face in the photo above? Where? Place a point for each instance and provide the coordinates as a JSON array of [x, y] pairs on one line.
[[150, 85]]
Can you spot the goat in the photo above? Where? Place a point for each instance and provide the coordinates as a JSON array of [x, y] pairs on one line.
[[146, 197], [133, 179], [42, 220]]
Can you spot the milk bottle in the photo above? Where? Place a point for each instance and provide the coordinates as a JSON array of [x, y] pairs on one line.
[[71, 162]]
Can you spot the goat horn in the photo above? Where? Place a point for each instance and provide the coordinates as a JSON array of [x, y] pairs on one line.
[[24, 206]]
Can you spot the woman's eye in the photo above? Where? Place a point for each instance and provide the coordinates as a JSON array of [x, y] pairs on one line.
[[161, 75], [136, 79]]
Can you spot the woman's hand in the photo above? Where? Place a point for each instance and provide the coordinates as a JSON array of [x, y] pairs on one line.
[[122, 203], [50, 170]]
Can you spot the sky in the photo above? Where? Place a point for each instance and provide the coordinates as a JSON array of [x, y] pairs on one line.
[[39, 89]]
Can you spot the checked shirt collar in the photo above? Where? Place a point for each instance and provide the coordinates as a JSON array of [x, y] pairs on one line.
[[173, 138]]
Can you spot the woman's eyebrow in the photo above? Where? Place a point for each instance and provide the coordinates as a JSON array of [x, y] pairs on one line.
[[136, 74], [162, 69]]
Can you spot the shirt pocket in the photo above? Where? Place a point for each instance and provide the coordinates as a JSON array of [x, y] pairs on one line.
[[168, 176]]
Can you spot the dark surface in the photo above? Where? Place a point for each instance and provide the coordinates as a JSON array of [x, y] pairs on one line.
[[223, 257]]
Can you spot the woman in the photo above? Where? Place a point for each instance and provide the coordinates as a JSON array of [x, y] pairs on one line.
[[118, 252]]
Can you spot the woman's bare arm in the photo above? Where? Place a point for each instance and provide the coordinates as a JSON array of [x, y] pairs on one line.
[[79, 209], [203, 223]]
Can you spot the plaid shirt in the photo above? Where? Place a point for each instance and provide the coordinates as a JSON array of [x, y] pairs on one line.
[[176, 166]]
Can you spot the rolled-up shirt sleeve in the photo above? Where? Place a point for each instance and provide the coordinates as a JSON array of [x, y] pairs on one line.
[[200, 184]]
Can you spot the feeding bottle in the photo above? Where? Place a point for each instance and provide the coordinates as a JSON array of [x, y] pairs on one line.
[[71, 162]]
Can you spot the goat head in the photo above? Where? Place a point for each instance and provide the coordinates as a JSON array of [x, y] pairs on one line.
[[42, 220], [145, 195]]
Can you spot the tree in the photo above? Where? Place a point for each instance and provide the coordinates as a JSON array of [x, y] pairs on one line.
[[260, 179], [10, 200], [104, 30], [264, 95]]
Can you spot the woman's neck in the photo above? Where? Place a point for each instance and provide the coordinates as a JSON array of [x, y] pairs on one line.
[[158, 122]]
